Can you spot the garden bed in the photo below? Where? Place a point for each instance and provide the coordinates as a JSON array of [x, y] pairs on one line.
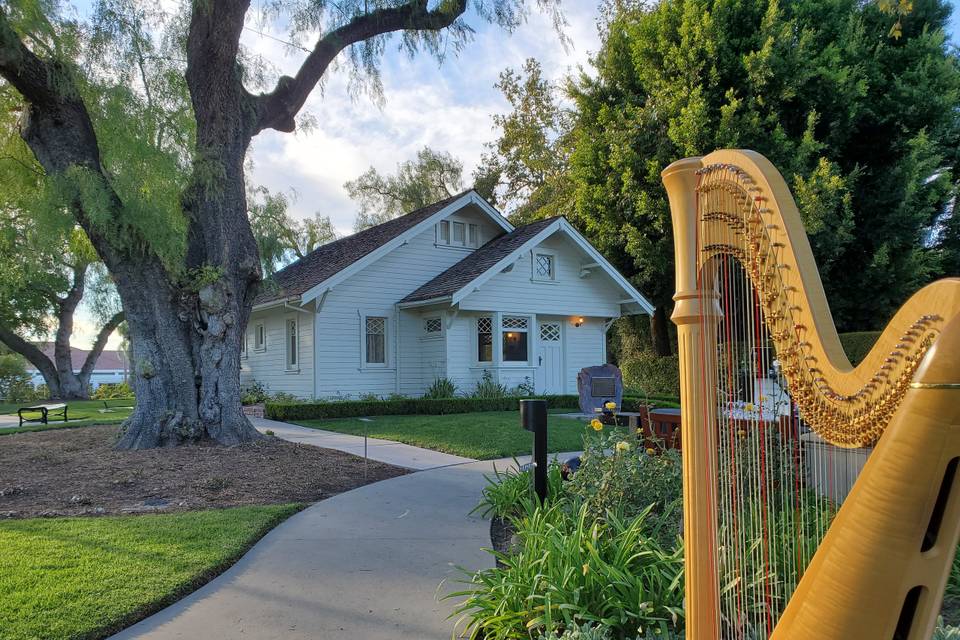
[[77, 472]]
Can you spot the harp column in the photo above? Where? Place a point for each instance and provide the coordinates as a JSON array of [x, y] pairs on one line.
[[696, 311]]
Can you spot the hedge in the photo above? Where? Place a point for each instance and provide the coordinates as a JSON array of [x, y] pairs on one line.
[[291, 411]]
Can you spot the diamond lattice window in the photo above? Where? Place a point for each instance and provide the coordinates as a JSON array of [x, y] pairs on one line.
[[544, 266], [517, 323], [549, 332], [432, 325]]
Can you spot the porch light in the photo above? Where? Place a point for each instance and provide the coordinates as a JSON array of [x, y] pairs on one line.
[[577, 322]]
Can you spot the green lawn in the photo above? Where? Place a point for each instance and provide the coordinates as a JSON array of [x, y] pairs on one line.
[[84, 578], [81, 413], [485, 435]]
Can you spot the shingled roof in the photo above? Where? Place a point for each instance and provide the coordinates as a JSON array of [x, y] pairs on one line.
[[464, 272], [329, 259]]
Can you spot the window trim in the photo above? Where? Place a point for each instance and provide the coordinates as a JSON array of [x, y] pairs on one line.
[[475, 229], [291, 366], [441, 241], [454, 225], [534, 276], [501, 332], [494, 319], [260, 337], [363, 341]]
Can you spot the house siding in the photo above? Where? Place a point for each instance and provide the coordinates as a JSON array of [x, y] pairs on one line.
[[268, 365], [374, 291], [568, 294]]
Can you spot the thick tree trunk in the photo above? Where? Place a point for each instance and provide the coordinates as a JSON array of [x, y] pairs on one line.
[[185, 364], [660, 332]]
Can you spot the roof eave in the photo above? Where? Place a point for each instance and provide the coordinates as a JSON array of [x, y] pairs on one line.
[[424, 303]]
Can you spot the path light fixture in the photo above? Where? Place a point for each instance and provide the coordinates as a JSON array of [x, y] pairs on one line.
[[533, 417]]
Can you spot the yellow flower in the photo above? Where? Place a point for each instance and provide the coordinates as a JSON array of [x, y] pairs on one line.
[[610, 405], [650, 451], [741, 433], [748, 406], [596, 424], [586, 568], [623, 445]]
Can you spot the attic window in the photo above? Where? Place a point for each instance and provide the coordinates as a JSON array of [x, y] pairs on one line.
[[544, 266], [451, 233], [459, 234]]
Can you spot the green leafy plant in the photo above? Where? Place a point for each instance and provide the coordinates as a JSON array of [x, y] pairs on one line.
[[488, 388], [652, 374], [254, 392], [441, 388], [344, 407], [510, 493], [572, 568], [111, 391], [944, 632], [616, 474]]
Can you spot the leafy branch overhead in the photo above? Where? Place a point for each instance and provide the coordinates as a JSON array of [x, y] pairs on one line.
[[140, 121]]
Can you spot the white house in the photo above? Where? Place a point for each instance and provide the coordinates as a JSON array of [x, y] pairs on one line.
[[111, 367], [452, 290]]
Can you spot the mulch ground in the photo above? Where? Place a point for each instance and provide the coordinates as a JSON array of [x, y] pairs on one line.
[[77, 472]]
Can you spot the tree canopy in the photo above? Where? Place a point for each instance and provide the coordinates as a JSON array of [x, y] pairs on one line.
[[431, 176], [864, 127], [141, 117]]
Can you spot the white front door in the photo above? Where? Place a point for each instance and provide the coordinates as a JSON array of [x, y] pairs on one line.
[[550, 358]]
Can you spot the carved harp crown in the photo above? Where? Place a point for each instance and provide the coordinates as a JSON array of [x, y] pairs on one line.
[[753, 321]]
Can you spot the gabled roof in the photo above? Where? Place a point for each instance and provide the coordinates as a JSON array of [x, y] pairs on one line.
[[470, 273], [477, 263], [325, 262]]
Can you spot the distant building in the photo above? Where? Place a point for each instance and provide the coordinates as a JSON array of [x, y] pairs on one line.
[[112, 366]]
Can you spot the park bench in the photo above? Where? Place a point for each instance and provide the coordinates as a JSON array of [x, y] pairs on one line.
[[45, 410]]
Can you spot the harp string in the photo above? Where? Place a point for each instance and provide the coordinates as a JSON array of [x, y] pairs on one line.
[[767, 523]]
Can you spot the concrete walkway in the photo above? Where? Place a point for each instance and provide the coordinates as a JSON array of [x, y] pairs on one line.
[[396, 453], [367, 564]]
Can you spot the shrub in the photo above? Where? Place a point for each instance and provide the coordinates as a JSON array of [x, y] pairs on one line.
[[283, 396], [571, 569], [254, 392], [858, 344], [488, 388], [944, 632], [652, 374], [368, 397], [441, 388], [292, 409], [601, 632], [616, 475], [510, 493], [112, 391]]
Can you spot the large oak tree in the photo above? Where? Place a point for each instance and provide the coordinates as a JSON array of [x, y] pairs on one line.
[[187, 310]]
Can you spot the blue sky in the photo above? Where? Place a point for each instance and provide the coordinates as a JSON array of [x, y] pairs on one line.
[[448, 107]]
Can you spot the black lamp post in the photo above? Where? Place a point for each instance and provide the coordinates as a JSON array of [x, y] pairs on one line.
[[533, 417]]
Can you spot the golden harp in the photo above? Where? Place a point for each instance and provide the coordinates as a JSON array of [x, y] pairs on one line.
[[786, 537]]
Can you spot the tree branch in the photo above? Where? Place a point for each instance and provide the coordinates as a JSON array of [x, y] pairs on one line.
[[33, 354], [279, 108], [91, 361]]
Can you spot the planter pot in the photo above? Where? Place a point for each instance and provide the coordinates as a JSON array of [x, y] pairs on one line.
[[502, 536]]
